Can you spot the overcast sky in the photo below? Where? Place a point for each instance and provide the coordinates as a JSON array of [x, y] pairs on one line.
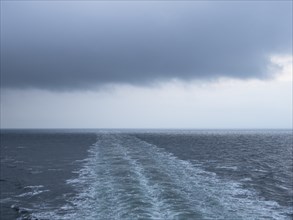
[[146, 64]]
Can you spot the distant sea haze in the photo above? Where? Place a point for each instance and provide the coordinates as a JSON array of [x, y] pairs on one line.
[[146, 174]]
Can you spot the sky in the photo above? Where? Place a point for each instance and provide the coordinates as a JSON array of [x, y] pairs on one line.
[[146, 64]]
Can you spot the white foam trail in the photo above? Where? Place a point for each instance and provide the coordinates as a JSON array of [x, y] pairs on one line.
[[126, 178], [151, 192]]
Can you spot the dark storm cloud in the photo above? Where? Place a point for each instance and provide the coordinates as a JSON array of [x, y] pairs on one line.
[[67, 45]]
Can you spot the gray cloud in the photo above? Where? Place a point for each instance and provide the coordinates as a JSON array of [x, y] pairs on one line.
[[67, 45]]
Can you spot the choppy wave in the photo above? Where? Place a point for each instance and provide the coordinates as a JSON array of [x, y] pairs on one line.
[[127, 178], [32, 191]]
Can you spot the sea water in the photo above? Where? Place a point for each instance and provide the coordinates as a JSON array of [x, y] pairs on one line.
[[146, 174]]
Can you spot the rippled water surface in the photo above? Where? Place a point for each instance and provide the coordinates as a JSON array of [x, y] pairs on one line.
[[146, 174]]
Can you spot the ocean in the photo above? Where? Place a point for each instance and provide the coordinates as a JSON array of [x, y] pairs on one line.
[[146, 174]]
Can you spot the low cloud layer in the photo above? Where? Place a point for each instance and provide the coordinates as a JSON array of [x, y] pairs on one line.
[[69, 45]]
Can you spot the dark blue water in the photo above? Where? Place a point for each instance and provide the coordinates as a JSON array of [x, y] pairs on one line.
[[146, 174]]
